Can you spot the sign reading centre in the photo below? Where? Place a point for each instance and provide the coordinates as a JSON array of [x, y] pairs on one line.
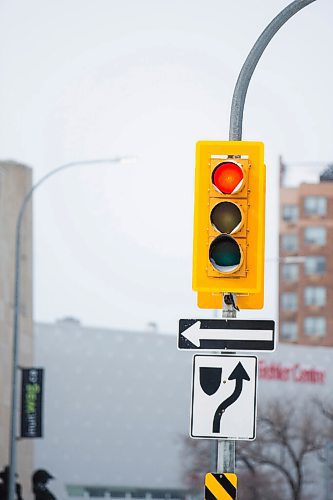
[[224, 397]]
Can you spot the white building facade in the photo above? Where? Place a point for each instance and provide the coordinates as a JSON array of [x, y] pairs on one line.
[[117, 406]]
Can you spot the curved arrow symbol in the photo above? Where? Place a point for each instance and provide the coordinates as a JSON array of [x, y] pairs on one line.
[[239, 374]]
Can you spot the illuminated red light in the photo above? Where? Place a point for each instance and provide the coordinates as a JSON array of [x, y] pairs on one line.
[[228, 177]]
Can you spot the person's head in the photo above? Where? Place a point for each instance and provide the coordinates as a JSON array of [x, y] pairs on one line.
[[41, 476], [4, 474]]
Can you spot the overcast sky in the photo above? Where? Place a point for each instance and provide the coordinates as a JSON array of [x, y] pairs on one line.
[[84, 79]]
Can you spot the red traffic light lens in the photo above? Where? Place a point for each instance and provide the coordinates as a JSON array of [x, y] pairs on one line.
[[228, 177]]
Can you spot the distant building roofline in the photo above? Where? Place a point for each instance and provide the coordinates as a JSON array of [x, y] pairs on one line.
[[295, 173], [72, 322], [6, 164], [327, 175]]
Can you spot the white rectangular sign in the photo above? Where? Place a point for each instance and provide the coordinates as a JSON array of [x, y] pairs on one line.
[[224, 397], [226, 335]]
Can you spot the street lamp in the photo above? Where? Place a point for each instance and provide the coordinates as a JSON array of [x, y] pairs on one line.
[[16, 330]]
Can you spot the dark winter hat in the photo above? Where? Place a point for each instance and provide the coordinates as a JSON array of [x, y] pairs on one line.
[[41, 476]]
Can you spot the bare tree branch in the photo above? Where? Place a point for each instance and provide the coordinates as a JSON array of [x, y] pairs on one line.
[[287, 436]]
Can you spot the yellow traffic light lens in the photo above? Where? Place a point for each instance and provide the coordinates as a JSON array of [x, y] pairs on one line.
[[228, 177], [226, 217], [225, 254]]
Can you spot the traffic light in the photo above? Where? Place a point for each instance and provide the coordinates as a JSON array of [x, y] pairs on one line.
[[229, 223]]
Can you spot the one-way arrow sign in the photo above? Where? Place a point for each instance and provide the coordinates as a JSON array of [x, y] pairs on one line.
[[226, 335]]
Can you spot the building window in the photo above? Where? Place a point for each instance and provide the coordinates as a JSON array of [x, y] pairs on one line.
[[290, 242], [290, 213], [315, 235], [315, 205], [315, 295], [315, 265], [290, 272], [289, 330], [315, 326], [289, 301]]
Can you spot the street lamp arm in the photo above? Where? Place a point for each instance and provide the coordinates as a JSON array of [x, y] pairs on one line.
[[52, 173], [245, 75]]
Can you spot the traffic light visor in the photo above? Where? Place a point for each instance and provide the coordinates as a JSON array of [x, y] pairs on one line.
[[228, 177]]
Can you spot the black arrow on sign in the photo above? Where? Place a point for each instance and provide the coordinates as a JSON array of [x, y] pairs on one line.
[[239, 374]]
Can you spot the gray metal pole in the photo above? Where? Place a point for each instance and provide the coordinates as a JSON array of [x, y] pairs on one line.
[[226, 449], [242, 84], [226, 456], [225, 461], [327, 469], [13, 421], [16, 319]]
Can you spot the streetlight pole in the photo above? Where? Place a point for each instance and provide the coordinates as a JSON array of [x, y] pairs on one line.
[[225, 455], [328, 490], [16, 320]]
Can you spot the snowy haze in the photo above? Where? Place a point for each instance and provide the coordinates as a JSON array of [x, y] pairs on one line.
[[87, 79]]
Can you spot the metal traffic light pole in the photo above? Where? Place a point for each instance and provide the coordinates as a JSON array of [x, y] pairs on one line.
[[242, 84], [225, 450]]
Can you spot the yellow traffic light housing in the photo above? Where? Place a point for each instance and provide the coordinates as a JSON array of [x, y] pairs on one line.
[[229, 223]]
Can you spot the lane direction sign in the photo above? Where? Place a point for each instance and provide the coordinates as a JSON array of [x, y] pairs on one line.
[[226, 335], [224, 397]]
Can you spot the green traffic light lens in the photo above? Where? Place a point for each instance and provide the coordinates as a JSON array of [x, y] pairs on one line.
[[226, 217], [225, 254]]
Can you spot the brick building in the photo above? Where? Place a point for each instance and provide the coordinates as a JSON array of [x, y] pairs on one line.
[[15, 182], [306, 263]]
